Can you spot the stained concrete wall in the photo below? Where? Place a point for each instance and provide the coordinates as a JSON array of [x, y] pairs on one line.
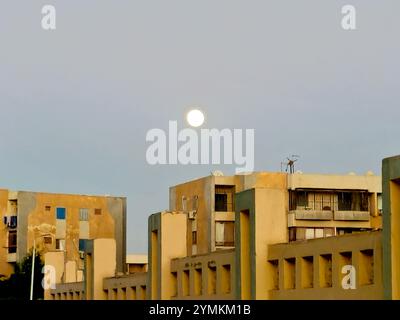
[[316, 249], [208, 276]]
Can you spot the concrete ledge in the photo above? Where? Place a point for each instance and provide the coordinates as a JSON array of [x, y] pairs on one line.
[[312, 214], [352, 215]]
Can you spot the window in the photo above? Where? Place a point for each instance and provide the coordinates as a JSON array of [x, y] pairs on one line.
[[194, 237], [83, 214], [48, 240], [380, 203], [60, 213], [225, 233], [82, 244], [312, 200], [60, 244], [12, 241], [195, 203], [302, 199], [97, 211], [221, 202], [353, 201], [184, 203], [309, 233], [190, 203], [224, 198], [47, 208]]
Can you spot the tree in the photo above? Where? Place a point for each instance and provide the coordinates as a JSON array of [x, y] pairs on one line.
[[17, 286]]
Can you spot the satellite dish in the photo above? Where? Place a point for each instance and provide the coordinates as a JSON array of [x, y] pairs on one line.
[[217, 173]]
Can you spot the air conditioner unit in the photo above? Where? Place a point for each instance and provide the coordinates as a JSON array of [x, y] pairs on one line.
[[192, 214]]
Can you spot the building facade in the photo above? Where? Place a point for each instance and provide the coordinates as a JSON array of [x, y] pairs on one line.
[[266, 236], [59, 223]]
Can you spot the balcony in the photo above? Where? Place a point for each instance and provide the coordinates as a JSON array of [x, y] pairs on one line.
[[352, 215], [304, 214]]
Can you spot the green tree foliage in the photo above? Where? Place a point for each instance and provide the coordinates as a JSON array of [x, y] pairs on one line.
[[17, 286]]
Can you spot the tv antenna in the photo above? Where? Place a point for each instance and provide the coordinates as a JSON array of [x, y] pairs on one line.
[[289, 163]]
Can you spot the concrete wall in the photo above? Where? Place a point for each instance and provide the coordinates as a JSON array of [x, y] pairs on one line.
[[210, 276], [129, 287], [311, 282]]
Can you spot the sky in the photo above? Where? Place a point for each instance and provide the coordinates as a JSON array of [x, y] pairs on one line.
[[77, 102]]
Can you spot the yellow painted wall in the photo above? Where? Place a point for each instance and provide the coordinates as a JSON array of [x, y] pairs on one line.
[[172, 246], [270, 226]]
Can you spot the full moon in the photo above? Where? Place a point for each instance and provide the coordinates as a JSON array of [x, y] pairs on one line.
[[195, 118]]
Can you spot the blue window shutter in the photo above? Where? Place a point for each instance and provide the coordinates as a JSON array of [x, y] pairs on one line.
[[60, 213]]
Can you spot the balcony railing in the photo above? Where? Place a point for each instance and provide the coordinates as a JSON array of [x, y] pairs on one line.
[[312, 214]]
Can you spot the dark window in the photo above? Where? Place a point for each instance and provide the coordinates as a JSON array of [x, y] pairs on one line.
[[224, 198], [194, 237], [47, 240], [47, 208], [60, 244], [302, 199], [82, 244], [12, 241], [97, 211], [221, 202], [353, 201], [60, 213]]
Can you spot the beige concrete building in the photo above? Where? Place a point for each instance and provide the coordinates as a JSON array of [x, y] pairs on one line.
[[61, 224], [263, 236], [233, 222]]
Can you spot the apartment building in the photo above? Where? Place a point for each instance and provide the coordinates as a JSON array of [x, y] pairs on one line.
[[59, 223], [233, 222], [265, 235]]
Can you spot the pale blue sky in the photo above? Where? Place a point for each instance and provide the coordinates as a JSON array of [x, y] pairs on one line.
[[76, 103]]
